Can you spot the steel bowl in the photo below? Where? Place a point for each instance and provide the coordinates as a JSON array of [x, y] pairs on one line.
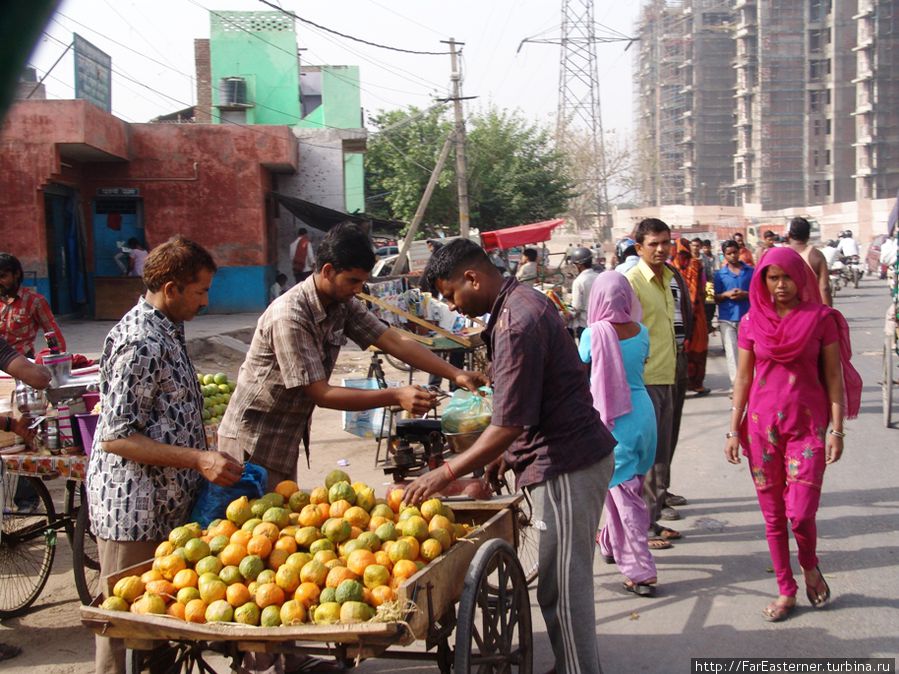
[[459, 442]]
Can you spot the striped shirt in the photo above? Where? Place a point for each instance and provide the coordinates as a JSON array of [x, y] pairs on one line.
[[22, 316], [296, 343]]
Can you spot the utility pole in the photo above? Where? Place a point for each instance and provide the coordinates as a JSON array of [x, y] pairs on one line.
[[461, 169]]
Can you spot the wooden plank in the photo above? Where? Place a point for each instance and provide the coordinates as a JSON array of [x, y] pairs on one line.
[[415, 319]]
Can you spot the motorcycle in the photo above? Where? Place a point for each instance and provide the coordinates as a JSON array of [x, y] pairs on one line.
[[851, 270]]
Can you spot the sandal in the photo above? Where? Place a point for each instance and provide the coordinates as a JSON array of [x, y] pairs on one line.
[[640, 589], [776, 612], [817, 598], [667, 534], [657, 543]]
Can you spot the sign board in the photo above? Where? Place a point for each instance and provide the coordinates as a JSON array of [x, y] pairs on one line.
[[118, 191], [93, 74]]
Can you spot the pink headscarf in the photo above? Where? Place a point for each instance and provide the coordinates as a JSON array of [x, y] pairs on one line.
[[784, 339], [612, 300]]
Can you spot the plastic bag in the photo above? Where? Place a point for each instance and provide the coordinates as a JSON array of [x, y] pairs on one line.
[[213, 499], [468, 412]]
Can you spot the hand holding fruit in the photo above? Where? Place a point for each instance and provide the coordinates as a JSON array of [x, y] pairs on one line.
[[416, 400]]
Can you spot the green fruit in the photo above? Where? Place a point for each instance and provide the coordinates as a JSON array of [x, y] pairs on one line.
[[208, 379], [370, 540], [219, 611], [271, 616], [248, 614], [217, 544], [179, 536], [275, 500], [251, 523], [196, 549], [341, 491], [251, 566], [224, 388], [186, 594], [327, 613], [220, 378], [231, 574], [298, 500], [352, 546], [356, 612], [336, 530], [336, 476], [329, 594], [266, 576], [258, 507], [209, 564], [114, 604], [278, 516], [321, 544], [206, 414], [349, 590], [386, 532]]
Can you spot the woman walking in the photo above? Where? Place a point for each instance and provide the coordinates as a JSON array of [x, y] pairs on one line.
[[617, 345], [794, 379]]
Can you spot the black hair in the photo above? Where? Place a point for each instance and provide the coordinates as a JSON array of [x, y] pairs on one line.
[[649, 226], [134, 243], [450, 260], [281, 278], [530, 254], [730, 243], [696, 239], [769, 234], [800, 229], [9, 262], [707, 242], [301, 231], [345, 246]]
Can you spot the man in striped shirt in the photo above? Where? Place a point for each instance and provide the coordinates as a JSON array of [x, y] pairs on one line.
[[23, 310]]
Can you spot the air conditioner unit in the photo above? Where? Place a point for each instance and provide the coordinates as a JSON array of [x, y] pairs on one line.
[[233, 93]]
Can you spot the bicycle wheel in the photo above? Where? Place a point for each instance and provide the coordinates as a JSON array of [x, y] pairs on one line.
[[528, 544], [85, 557], [27, 547]]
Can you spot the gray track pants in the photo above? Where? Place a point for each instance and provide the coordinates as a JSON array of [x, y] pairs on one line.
[[567, 509]]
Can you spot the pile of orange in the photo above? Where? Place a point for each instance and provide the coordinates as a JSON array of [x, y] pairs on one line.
[[331, 555]]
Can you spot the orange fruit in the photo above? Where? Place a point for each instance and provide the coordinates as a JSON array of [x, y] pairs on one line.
[[339, 507], [356, 516], [375, 575], [292, 613], [232, 554], [277, 559], [259, 545], [152, 574], [269, 595], [237, 594], [163, 588], [382, 558], [324, 510], [382, 593], [241, 537], [414, 546], [286, 543], [325, 556], [377, 521], [288, 579], [318, 495], [164, 548], [358, 560], [169, 565], [404, 569], [307, 594], [312, 572], [287, 488], [268, 529], [339, 574], [223, 528], [176, 609], [431, 550], [310, 516], [195, 611], [394, 499]]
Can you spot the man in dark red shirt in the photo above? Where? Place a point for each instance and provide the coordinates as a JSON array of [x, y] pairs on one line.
[[545, 428]]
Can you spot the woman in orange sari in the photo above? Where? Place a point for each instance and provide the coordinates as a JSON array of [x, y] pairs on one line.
[[697, 347]]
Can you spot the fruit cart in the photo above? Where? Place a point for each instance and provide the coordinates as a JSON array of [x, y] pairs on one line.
[[476, 591]]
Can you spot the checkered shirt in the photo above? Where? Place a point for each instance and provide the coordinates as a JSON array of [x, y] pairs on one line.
[[22, 316]]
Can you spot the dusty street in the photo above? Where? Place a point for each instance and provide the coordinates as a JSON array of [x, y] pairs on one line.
[[713, 584]]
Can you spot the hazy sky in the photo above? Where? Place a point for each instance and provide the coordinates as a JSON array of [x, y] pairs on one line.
[[155, 47]]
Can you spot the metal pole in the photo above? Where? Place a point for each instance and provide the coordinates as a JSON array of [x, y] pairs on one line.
[[461, 169], [422, 206]]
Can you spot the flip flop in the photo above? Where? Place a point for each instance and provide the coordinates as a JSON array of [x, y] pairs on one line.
[[815, 597], [656, 543], [667, 534], [640, 589]]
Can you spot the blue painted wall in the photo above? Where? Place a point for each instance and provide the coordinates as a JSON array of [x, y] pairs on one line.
[[42, 285], [240, 289]]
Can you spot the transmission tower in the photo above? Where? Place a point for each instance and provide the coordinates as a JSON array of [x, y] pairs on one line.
[[579, 107]]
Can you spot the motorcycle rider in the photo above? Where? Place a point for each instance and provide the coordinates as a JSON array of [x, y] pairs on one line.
[[848, 246], [582, 258]]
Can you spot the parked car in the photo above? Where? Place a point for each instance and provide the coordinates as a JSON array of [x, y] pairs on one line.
[[384, 251], [872, 259]]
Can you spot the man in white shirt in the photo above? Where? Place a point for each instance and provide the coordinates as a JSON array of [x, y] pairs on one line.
[[847, 246], [581, 258]]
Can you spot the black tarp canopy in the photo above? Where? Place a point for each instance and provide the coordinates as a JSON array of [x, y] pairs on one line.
[[324, 218]]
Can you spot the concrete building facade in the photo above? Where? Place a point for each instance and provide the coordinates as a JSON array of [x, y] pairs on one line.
[[813, 111]]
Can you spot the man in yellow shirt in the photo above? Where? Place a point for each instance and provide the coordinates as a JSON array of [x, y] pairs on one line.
[[651, 279]]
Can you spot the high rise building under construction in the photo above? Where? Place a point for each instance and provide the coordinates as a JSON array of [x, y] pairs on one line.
[[781, 103]]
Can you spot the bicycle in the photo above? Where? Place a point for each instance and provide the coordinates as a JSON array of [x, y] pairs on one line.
[[28, 538]]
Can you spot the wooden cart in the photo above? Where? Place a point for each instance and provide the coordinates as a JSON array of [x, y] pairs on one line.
[[481, 574]]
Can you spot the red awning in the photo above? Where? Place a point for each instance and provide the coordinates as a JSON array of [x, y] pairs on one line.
[[519, 236]]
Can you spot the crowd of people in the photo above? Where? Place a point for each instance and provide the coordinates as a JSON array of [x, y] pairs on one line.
[[581, 439]]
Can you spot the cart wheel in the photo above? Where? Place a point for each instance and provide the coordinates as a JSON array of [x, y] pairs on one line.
[[85, 557], [528, 544], [493, 629], [887, 385], [27, 545]]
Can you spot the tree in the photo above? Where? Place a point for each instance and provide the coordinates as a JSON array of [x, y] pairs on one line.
[[515, 175]]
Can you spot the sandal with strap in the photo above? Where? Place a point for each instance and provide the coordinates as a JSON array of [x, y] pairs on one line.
[[657, 543], [667, 534], [816, 597], [776, 612], [640, 589]]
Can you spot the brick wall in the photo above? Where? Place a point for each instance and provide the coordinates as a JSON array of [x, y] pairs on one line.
[[204, 81]]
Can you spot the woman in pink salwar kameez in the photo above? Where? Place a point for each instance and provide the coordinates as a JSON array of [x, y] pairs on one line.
[[794, 379]]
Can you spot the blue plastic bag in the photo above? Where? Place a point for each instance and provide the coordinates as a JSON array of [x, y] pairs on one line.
[[213, 500]]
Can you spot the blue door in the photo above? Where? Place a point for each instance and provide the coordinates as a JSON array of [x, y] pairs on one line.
[[115, 220]]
